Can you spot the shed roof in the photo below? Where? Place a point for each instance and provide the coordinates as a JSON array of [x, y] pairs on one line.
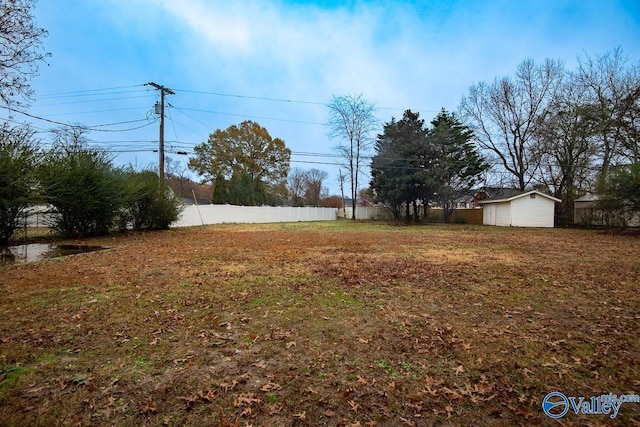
[[517, 195]]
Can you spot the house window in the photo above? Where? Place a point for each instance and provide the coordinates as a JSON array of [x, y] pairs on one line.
[[532, 195]]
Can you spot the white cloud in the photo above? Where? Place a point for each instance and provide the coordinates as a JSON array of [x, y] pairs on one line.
[[305, 48], [223, 25]]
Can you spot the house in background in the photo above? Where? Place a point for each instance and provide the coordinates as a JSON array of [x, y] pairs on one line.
[[471, 199], [520, 209], [587, 213]]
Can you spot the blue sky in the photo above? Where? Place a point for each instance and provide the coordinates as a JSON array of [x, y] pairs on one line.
[[279, 62]]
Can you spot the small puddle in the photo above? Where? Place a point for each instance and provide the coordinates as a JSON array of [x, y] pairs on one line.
[[39, 251]]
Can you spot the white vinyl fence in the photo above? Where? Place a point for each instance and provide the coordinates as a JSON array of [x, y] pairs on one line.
[[36, 216], [218, 214], [366, 212]]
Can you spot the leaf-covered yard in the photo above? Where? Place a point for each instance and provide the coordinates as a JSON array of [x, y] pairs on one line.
[[335, 323]]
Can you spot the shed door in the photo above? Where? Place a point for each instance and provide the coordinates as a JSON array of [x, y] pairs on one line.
[[490, 214]]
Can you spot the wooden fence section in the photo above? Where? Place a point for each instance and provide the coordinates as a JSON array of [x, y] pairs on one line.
[[218, 214], [466, 216]]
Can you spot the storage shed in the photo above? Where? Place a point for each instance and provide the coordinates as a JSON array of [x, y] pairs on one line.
[[521, 209]]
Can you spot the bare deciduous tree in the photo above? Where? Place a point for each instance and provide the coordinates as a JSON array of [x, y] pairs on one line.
[[614, 89], [305, 187], [566, 146], [351, 119], [295, 186], [177, 172], [313, 186], [20, 50], [503, 115]]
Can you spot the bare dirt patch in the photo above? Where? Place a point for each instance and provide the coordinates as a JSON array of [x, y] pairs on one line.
[[322, 324]]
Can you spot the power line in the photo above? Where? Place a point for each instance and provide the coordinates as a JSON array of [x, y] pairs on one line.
[[121, 90], [79, 92], [287, 101], [172, 124], [146, 107], [118, 90], [303, 153], [316, 163], [87, 101], [39, 129], [92, 128], [260, 98], [248, 116], [121, 123], [192, 118], [173, 121]]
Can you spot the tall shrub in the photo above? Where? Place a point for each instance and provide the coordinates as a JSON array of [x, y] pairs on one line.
[[620, 194], [149, 203], [83, 188], [18, 159]]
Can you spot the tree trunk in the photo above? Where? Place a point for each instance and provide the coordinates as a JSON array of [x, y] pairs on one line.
[[353, 209]]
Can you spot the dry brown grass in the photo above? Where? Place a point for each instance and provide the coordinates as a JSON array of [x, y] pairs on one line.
[[336, 324]]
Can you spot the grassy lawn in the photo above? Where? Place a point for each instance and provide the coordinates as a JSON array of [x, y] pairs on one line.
[[329, 323]]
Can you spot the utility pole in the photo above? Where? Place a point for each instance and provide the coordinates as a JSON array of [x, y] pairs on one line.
[[163, 90]]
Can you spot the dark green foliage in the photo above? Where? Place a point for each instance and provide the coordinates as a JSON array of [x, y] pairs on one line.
[[18, 158], [620, 192], [149, 203], [457, 166], [398, 169], [83, 188], [413, 163], [220, 191], [89, 196], [245, 191], [460, 220]]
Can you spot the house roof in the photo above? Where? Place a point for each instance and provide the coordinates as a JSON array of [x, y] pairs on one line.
[[467, 196], [589, 197], [495, 192], [517, 195], [475, 194]]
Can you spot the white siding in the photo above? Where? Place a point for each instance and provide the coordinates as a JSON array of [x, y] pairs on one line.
[[503, 213], [532, 209], [528, 212], [489, 214]]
